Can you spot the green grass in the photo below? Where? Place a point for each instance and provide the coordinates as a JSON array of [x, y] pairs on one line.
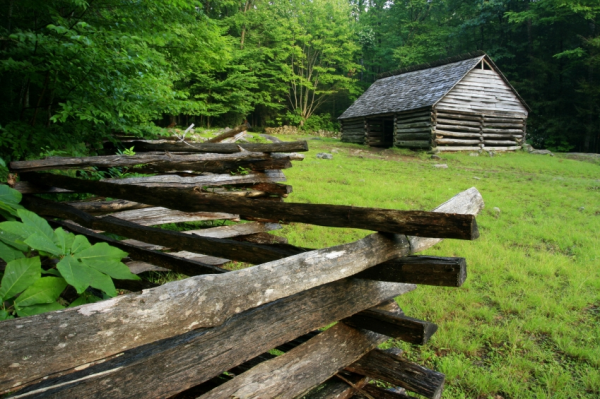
[[526, 324]]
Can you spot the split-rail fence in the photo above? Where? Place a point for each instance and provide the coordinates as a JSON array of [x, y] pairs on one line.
[[213, 335]]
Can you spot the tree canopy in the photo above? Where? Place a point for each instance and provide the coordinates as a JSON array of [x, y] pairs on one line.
[[74, 72]]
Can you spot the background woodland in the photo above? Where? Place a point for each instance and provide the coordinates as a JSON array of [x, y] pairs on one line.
[[74, 72]]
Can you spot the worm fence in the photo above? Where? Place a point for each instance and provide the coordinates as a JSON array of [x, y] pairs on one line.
[[250, 333]]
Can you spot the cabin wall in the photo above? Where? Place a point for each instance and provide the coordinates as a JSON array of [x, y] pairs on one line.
[[480, 112], [380, 131], [468, 131], [482, 90], [413, 129], [354, 130]]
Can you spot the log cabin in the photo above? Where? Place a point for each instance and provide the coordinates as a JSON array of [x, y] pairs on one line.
[[463, 103]]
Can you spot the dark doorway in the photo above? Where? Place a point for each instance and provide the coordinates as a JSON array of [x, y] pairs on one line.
[[380, 132]]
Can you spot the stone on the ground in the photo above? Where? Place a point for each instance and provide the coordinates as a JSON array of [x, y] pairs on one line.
[[474, 154], [476, 178], [316, 138], [542, 152], [435, 157], [441, 166], [491, 153], [324, 155], [335, 151], [528, 147], [497, 210], [581, 209]]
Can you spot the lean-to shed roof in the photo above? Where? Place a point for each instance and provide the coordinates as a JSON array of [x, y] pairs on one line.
[[416, 87]]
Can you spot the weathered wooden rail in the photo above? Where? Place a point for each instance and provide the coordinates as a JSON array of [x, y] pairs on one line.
[[211, 334]]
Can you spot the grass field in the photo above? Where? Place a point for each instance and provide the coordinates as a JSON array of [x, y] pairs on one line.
[[526, 324]]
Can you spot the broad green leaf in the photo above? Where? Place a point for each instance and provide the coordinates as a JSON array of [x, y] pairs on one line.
[[83, 299], [44, 290], [81, 276], [52, 272], [10, 196], [13, 241], [20, 274], [17, 229], [42, 243], [37, 223], [4, 315], [80, 243], [106, 259], [64, 240], [37, 309], [7, 215], [8, 253]]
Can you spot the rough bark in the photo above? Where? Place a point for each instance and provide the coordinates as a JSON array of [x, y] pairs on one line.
[[394, 369], [418, 223], [227, 134], [218, 148], [104, 207], [302, 368], [393, 325], [109, 327], [200, 355], [428, 270]]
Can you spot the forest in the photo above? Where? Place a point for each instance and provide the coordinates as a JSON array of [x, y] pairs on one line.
[[74, 72]]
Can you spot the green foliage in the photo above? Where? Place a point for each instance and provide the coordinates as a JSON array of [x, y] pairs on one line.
[[33, 249]]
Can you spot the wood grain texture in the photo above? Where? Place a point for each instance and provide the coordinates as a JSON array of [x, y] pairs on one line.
[[412, 144], [394, 369], [227, 134], [104, 207], [428, 270], [468, 202], [336, 388], [297, 371], [200, 355], [109, 327], [380, 393], [225, 248], [189, 200], [159, 215], [393, 325], [159, 161], [218, 148]]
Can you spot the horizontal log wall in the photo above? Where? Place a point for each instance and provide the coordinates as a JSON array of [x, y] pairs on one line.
[[354, 130], [413, 129], [471, 131]]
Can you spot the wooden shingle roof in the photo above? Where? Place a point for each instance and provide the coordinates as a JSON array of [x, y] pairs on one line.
[[410, 90]]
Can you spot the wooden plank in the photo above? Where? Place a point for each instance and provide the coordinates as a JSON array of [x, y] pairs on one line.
[[414, 130], [394, 369], [175, 181], [160, 161], [225, 248], [227, 134], [457, 148], [219, 167], [219, 148], [271, 188], [503, 125], [501, 142], [515, 131], [393, 325], [197, 356], [412, 125], [455, 134], [501, 119], [428, 270], [458, 128], [412, 136], [335, 388], [190, 200], [442, 121], [484, 112], [25, 187], [175, 308], [466, 202], [508, 136], [104, 207], [297, 371], [457, 141], [159, 215], [412, 143], [457, 116], [510, 148]]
